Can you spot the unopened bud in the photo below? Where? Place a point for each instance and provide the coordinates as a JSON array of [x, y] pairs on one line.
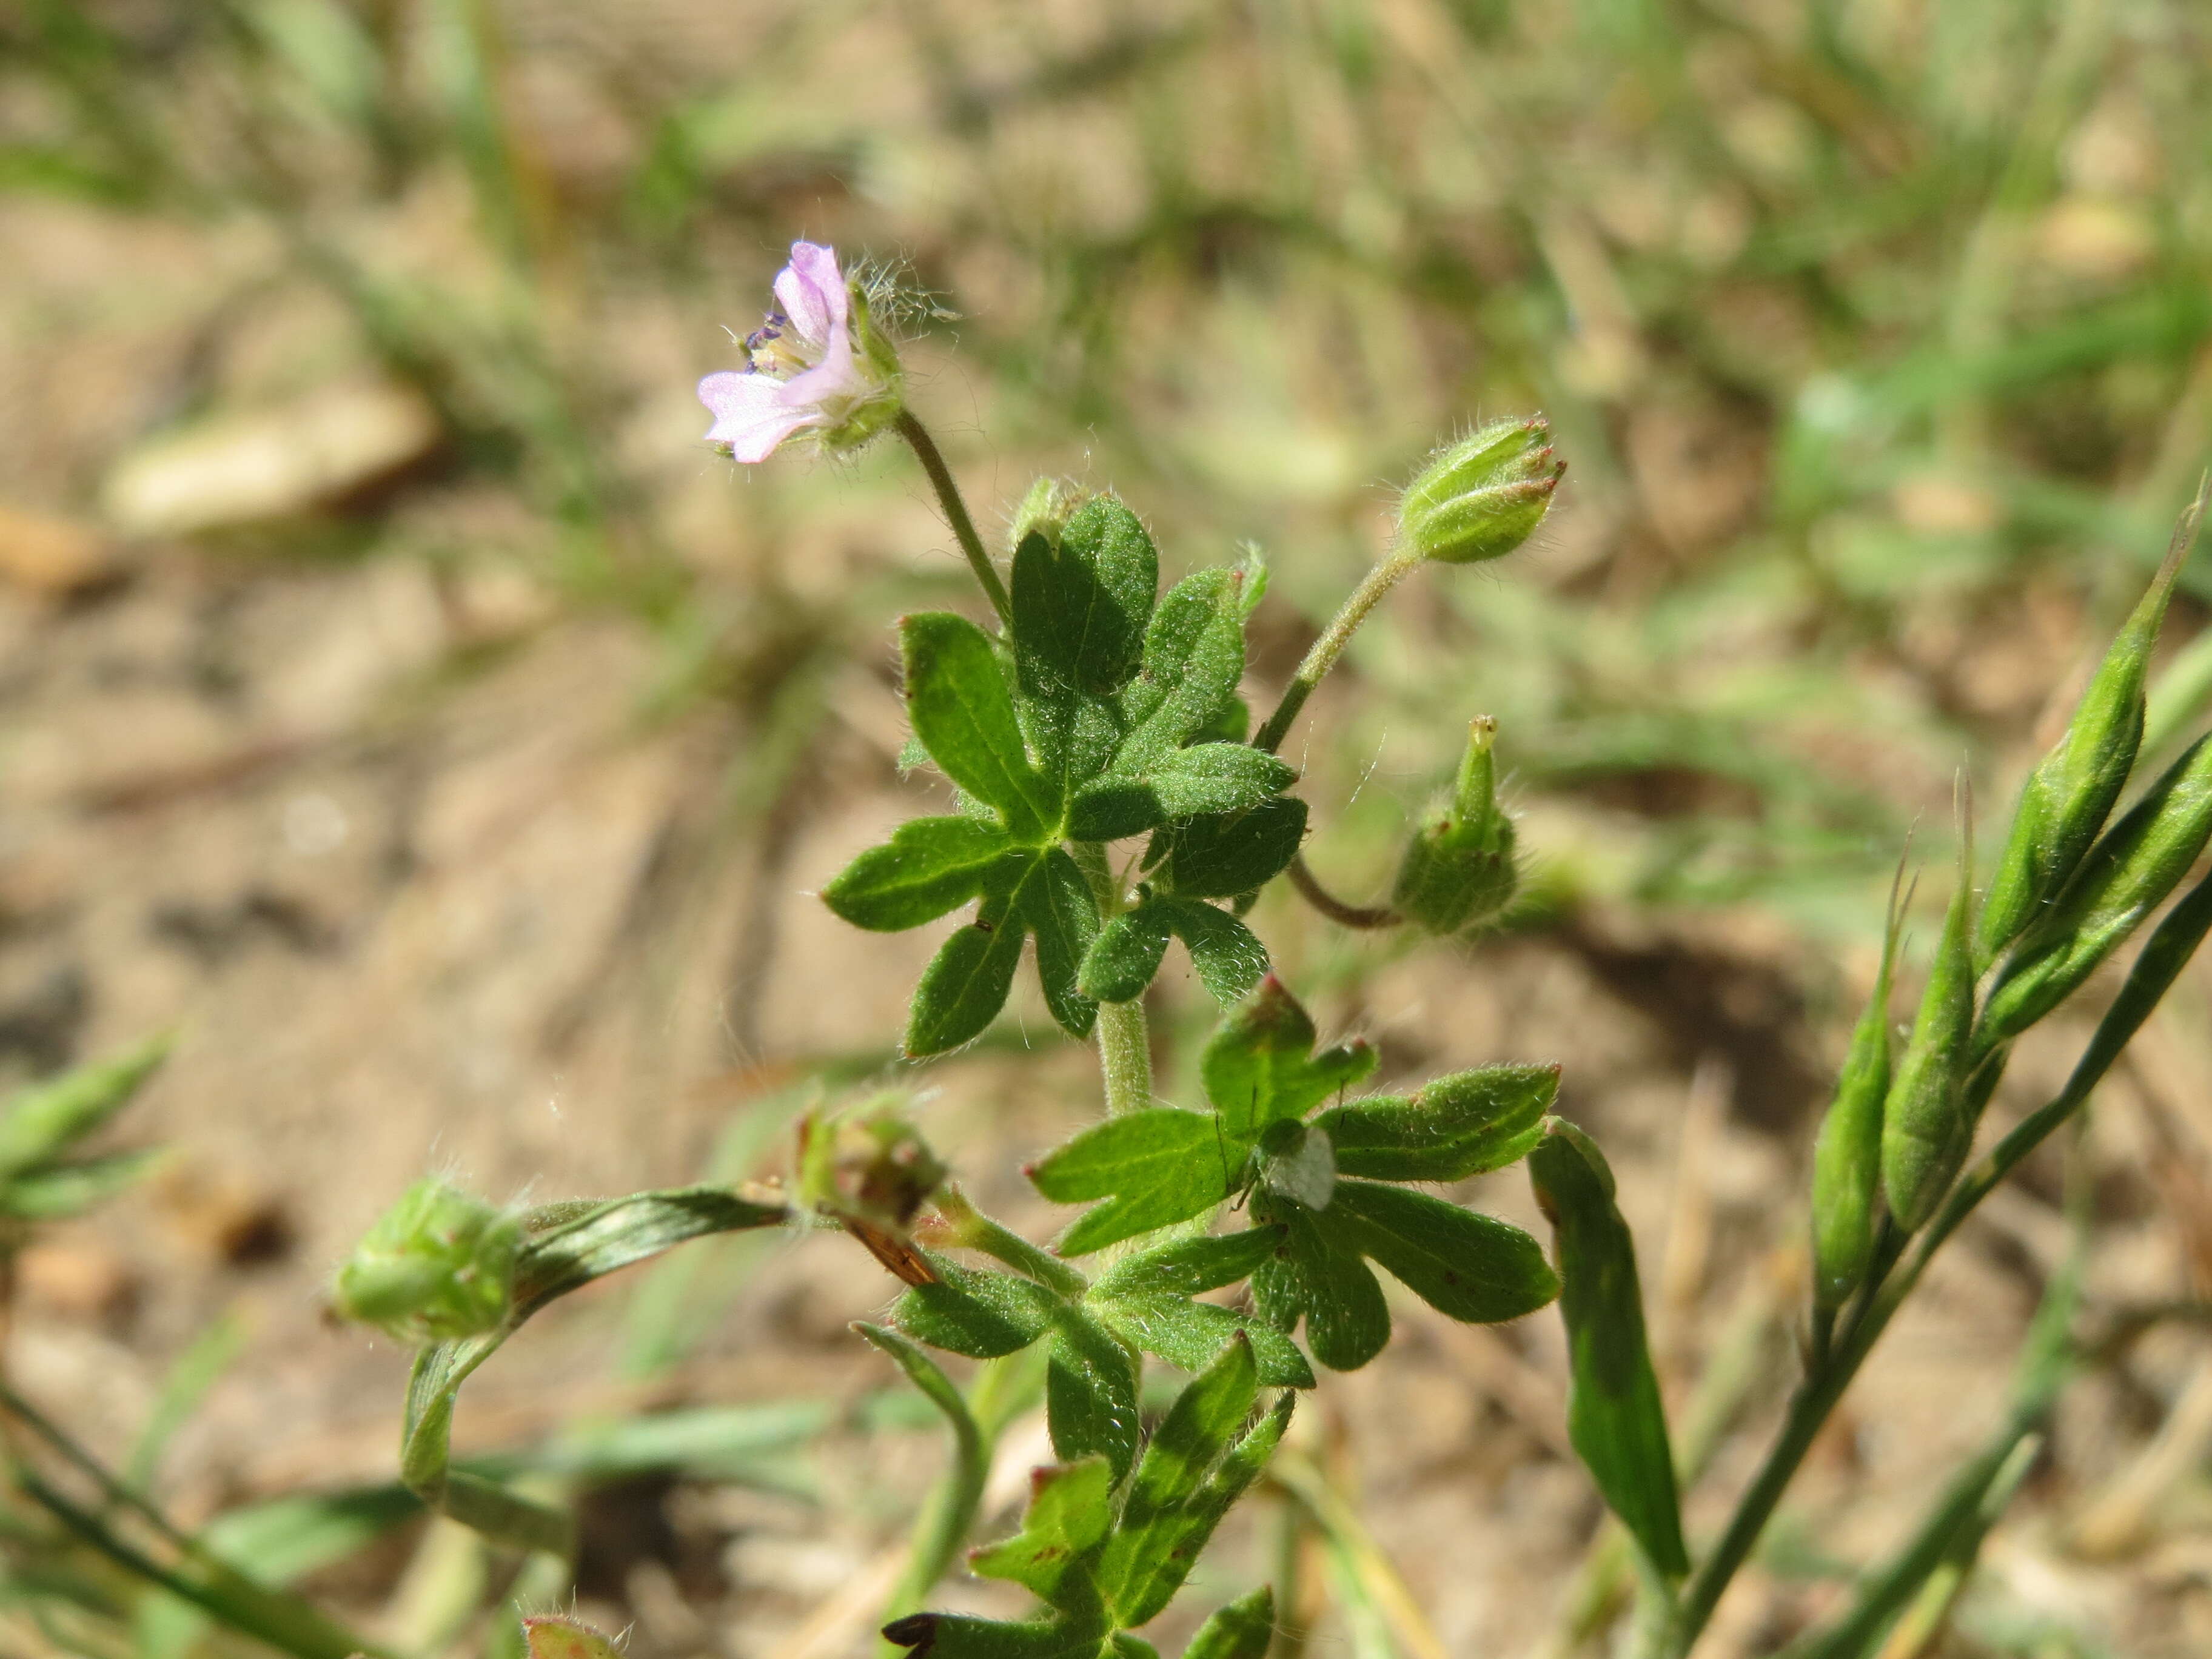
[[872, 1167], [1481, 497], [437, 1266], [1458, 868]]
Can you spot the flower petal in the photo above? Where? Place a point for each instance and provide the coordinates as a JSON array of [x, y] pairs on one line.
[[753, 413], [811, 291], [837, 375]]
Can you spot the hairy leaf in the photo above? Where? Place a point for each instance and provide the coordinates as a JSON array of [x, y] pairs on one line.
[[1080, 607], [1153, 1167], [1455, 1127], [981, 1315], [929, 866], [1222, 855], [961, 710], [1244, 1629], [1473, 1267], [1261, 1065]]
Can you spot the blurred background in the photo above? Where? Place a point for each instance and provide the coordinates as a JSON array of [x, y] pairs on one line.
[[398, 700]]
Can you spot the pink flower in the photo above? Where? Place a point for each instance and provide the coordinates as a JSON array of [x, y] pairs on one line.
[[803, 369]]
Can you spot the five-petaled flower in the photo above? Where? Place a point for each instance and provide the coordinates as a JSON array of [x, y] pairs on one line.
[[815, 363]]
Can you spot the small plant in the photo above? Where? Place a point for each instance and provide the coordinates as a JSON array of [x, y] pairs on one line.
[[1111, 798]]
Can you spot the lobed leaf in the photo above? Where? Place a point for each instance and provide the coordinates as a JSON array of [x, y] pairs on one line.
[[1194, 656], [1153, 1167], [1459, 1125], [930, 865], [981, 1315], [1222, 855], [1057, 905], [1261, 1065], [963, 714], [1080, 607], [1070, 1510], [1244, 1629], [1470, 1266]]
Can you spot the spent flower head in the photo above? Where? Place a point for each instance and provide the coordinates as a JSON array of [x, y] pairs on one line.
[[817, 363]]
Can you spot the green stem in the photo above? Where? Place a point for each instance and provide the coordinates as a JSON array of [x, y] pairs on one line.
[[1125, 1042], [1888, 1282], [956, 512], [1323, 655]]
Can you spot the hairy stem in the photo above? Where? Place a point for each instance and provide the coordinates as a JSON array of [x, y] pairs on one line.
[[1125, 1041], [956, 511], [1323, 655]]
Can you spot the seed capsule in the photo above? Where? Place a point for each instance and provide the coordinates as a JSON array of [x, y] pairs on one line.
[[2071, 791], [1458, 868], [1926, 1128], [1847, 1157], [1481, 497]]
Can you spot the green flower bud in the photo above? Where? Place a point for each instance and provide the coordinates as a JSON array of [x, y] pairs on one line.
[[438, 1266], [1458, 868], [2127, 875], [1847, 1156], [2067, 796], [1928, 1126], [1481, 497], [870, 1167]]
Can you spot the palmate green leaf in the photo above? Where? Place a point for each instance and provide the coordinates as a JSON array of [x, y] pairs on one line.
[[1152, 1550], [1314, 1275], [1125, 954], [1222, 855], [1090, 1390], [1070, 1511], [967, 983], [1245, 1629], [1080, 606], [1615, 1417], [1206, 778], [1194, 657], [1261, 1067], [1470, 1266], [964, 713], [1463, 1124], [1147, 1296], [981, 1315], [1153, 1167], [929, 866]]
